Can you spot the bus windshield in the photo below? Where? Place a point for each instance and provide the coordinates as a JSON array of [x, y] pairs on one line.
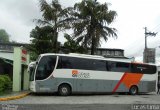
[[45, 67]]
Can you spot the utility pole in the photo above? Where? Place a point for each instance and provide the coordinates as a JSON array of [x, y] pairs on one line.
[[149, 53], [148, 34], [145, 37]]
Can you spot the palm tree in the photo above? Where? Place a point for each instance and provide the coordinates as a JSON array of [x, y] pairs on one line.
[[53, 15], [91, 23], [72, 46]]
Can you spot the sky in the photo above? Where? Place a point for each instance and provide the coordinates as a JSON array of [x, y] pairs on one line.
[[16, 17]]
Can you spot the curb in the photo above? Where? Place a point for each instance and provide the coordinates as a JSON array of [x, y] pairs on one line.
[[14, 97]]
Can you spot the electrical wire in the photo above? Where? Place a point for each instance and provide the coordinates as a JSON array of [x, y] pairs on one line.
[[156, 27]]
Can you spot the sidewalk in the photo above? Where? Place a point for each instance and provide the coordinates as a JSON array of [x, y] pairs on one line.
[[14, 95]]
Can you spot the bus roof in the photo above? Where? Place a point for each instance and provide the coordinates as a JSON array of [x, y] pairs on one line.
[[93, 57], [87, 56]]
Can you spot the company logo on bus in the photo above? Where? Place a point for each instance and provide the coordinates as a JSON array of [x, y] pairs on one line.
[[74, 73], [77, 74]]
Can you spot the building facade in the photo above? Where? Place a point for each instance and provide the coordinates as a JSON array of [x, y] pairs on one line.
[[109, 53], [14, 61], [149, 55]]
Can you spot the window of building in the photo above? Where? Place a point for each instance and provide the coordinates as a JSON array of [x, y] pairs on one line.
[[112, 53], [117, 53], [104, 52], [108, 53]]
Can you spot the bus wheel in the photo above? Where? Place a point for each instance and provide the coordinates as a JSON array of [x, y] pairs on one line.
[[133, 90], [64, 90]]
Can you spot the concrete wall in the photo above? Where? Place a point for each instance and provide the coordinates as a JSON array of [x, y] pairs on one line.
[[17, 70]]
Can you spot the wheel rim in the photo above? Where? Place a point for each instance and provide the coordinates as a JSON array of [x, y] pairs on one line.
[[64, 90], [133, 90]]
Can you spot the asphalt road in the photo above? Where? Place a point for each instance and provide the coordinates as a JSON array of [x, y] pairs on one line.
[[84, 102], [66, 107]]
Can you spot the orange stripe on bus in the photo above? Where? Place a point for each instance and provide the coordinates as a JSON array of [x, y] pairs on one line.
[[128, 79], [131, 79], [116, 87]]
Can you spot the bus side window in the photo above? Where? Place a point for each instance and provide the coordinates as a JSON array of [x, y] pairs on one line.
[[123, 67], [118, 66], [143, 68], [83, 64], [99, 65], [64, 63], [110, 66]]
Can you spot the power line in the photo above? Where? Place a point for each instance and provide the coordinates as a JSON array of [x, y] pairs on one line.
[[158, 31], [155, 27], [139, 52]]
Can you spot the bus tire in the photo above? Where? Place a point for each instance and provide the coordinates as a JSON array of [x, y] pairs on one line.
[[133, 90], [64, 90]]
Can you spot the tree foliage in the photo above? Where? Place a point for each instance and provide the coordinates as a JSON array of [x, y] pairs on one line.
[[91, 23], [6, 83], [41, 40], [4, 36], [72, 46], [89, 20], [54, 16]]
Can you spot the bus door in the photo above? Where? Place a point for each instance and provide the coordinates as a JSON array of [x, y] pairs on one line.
[[44, 70]]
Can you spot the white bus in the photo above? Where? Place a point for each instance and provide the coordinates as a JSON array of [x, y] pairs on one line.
[[77, 73]]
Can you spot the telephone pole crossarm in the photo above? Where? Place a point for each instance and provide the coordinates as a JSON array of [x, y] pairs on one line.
[[148, 34]]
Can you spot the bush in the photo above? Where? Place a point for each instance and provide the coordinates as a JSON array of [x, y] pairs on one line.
[[5, 83]]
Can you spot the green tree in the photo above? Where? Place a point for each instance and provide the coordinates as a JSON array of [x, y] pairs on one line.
[[72, 46], [91, 23], [4, 36], [41, 41], [54, 16]]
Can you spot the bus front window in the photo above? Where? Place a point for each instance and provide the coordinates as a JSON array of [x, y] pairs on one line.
[[45, 67], [31, 71]]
